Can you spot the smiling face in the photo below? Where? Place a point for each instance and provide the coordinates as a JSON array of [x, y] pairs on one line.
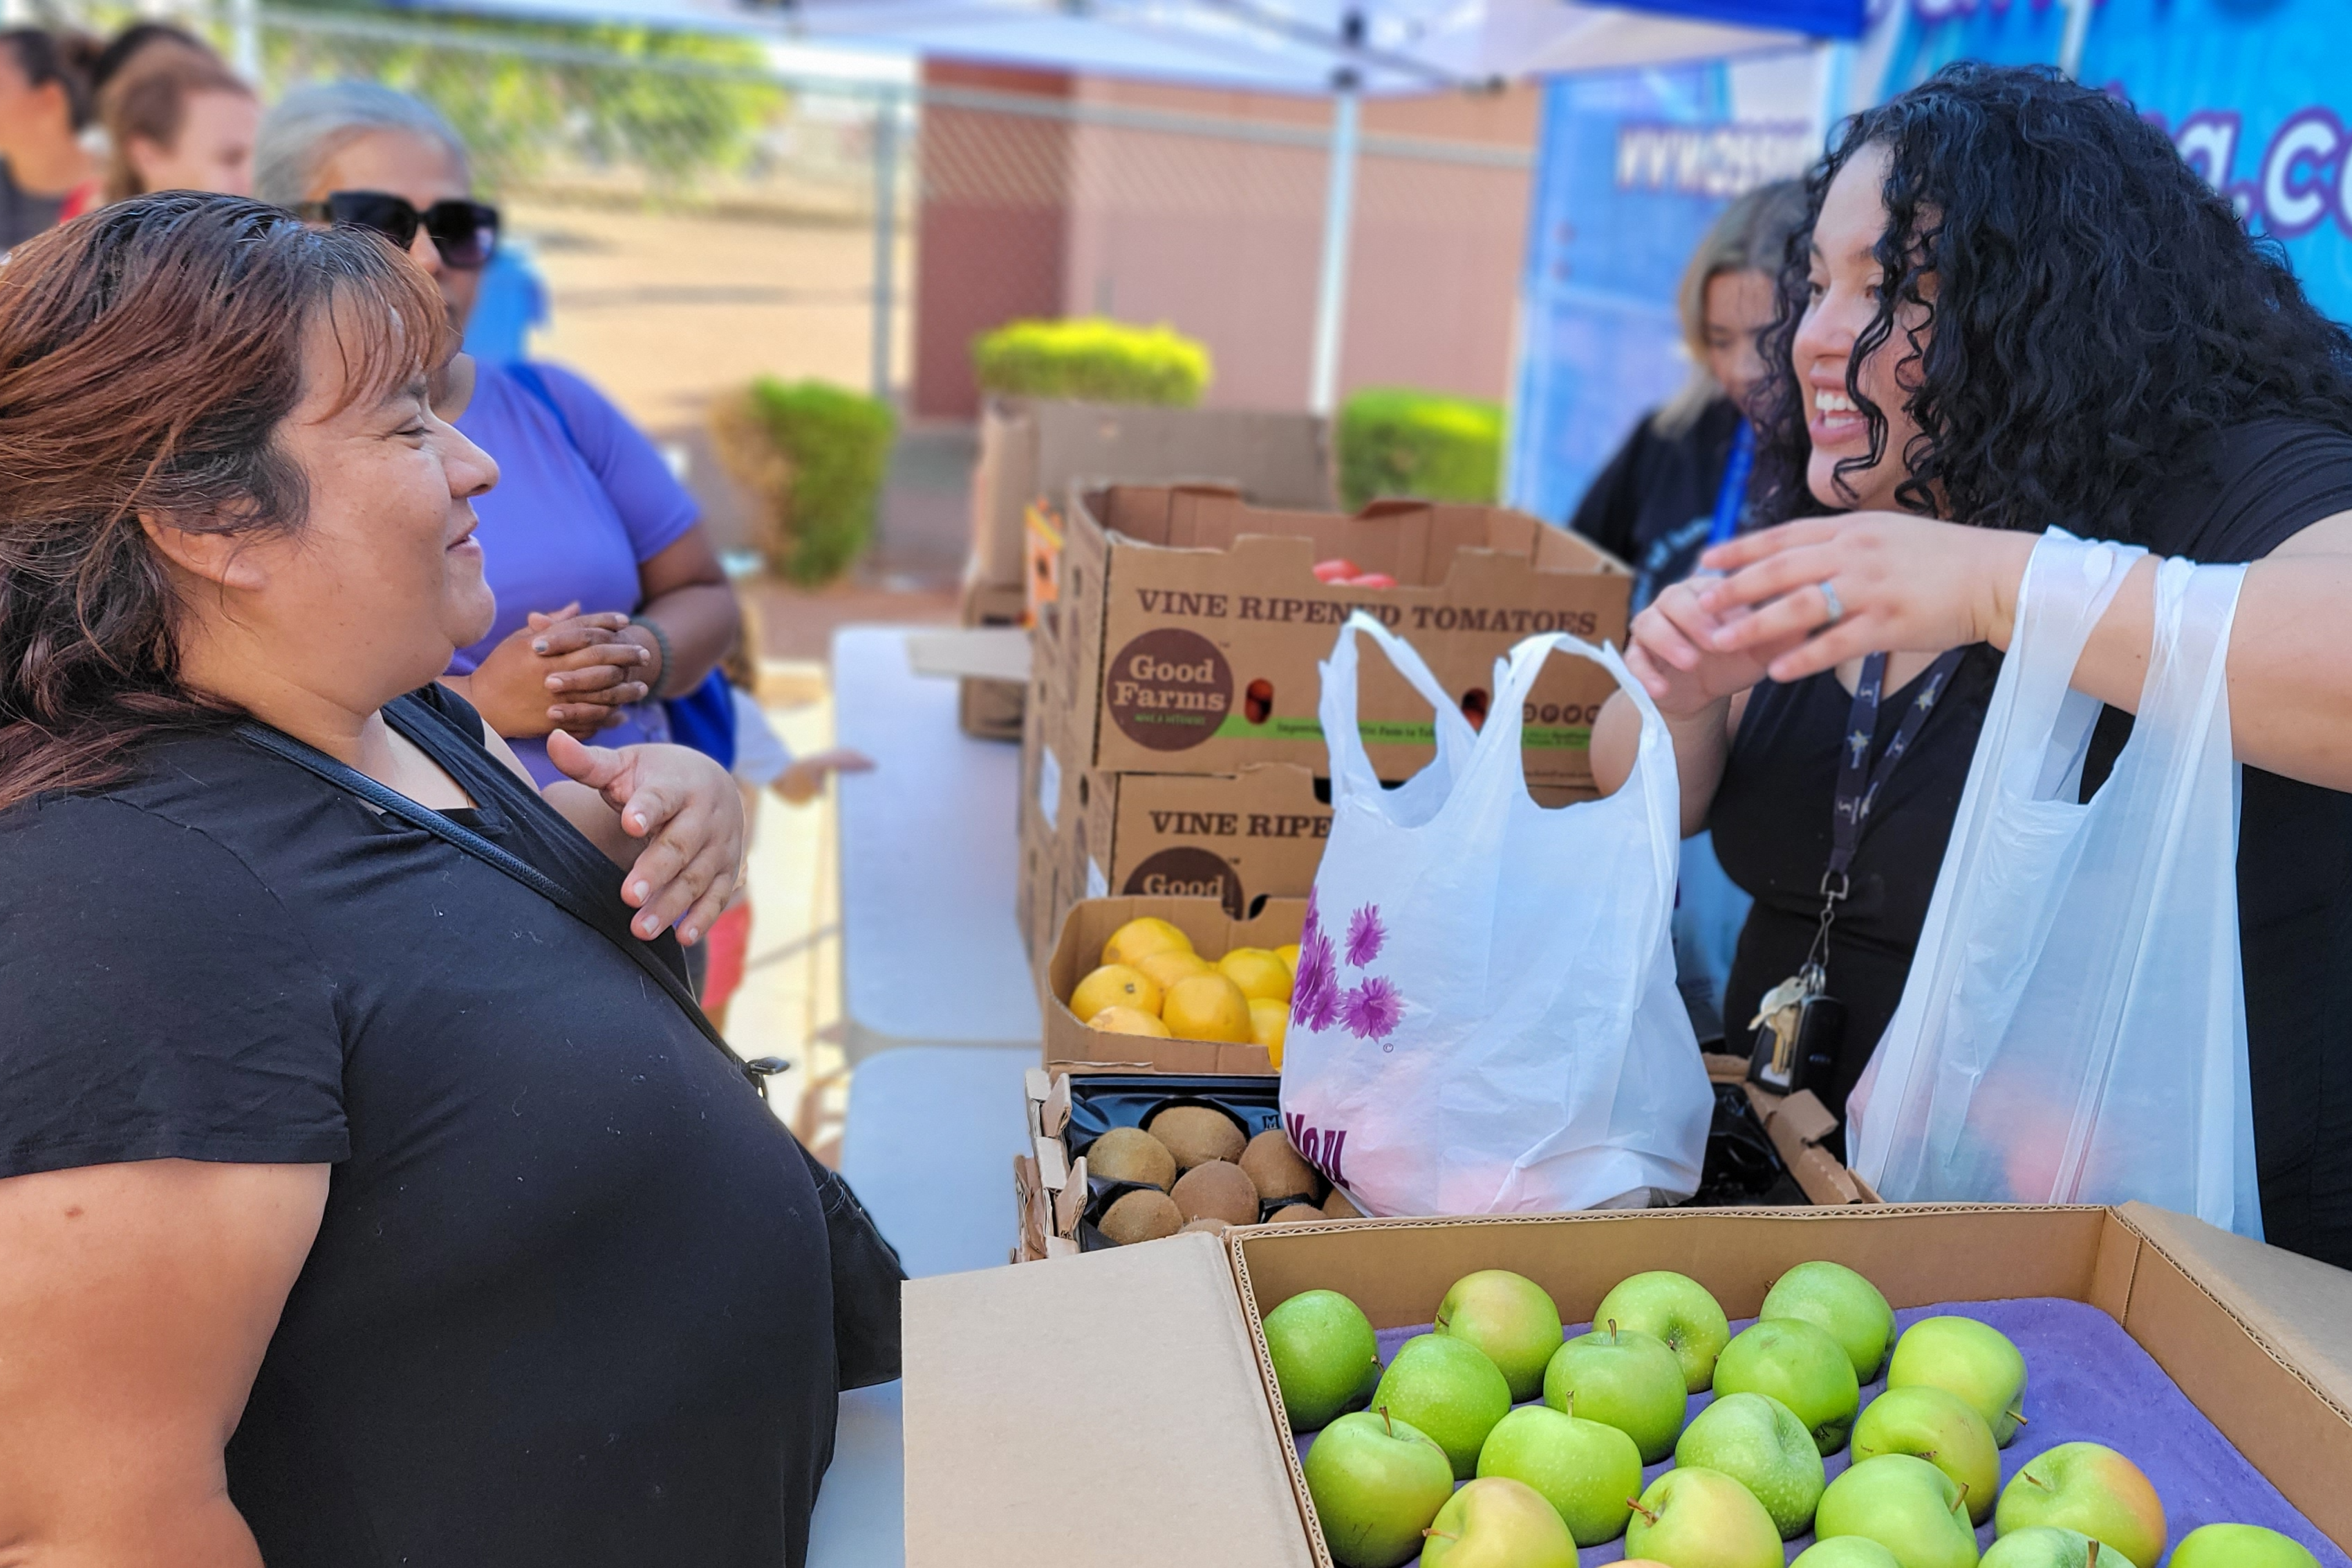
[[382, 580], [1843, 299], [214, 149], [421, 171]]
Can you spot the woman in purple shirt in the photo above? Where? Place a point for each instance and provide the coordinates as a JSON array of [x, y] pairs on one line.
[[610, 595]]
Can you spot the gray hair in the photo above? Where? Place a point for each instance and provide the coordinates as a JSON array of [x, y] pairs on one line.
[[311, 124], [1751, 235]]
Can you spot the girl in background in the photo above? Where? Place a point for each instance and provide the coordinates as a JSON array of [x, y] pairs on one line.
[[1679, 483], [178, 120]]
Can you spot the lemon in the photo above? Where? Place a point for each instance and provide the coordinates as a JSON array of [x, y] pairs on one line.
[[1288, 953], [1207, 1007], [1262, 976], [1140, 937], [1127, 1021], [1269, 1021], [1114, 985], [1167, 968]]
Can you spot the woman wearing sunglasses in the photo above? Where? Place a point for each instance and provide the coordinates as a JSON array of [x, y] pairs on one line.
[[610, 594]]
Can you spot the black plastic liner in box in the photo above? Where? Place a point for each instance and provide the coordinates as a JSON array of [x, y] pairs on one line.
[[1741, 1167]]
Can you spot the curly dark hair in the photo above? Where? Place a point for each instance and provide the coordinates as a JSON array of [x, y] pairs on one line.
[[2099, 309]]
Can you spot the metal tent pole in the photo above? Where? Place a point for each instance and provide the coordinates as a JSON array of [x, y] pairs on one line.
[[1338, 220], [245, 37], [2070, 43], [886, 237]]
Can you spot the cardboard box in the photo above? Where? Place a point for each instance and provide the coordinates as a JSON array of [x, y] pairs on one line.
[[1190, 626], [1152, 1359], [1031, 447], [1071, 1046], [990, 710]]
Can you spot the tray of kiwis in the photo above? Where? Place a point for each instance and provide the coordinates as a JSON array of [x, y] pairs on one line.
[[1169, 1153]]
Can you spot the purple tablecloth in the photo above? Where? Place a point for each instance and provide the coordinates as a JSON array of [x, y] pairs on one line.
[[2086, 1381]]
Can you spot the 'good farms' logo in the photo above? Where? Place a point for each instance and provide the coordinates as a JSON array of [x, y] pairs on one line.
[[1169, 690], [1188, 873]]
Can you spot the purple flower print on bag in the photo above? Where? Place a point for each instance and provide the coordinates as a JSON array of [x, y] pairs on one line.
[[1315, 995], [1364, 936], [1372, 1009]]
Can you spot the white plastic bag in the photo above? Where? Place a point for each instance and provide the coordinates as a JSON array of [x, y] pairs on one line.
[[1485, 1019], [2073, 1028]]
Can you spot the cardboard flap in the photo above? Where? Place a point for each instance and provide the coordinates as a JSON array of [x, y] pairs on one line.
[[2300, 1305], [1144, 1366]]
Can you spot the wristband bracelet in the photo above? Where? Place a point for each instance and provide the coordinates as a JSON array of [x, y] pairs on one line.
[[661, 644]]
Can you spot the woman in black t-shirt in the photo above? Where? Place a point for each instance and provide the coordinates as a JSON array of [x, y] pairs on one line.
[[2019, 309], [1653, 505], [361, 1205]]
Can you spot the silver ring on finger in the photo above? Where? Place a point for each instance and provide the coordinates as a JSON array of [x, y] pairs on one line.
[[1829, 598]]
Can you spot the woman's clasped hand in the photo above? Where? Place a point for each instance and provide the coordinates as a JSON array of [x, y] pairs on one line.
[[563, 670]]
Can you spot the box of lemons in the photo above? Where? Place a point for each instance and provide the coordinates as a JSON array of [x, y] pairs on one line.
[[1149, 970]]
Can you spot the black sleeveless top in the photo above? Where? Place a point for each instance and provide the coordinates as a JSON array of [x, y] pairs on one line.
[[571, 1302], [2253, 486], [1772, 824]]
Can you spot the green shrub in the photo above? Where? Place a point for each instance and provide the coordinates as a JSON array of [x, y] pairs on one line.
[[1394, 441], [1092, 359], [815, 455]]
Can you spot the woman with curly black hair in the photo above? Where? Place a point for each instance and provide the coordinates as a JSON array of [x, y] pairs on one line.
[[2016, 308]]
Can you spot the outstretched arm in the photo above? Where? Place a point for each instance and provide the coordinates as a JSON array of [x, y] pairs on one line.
[[1909, 583]]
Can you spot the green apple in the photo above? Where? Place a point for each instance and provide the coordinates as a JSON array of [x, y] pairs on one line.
[[1676, 1308], [1845, 1552], [1973, 1360], [1693, 1517], [1624, 1379], [1448, 1388], [1497, 1523], [1939, 1428], [2047, 1546], [1376, 1483], [2241, 1546], [1836, 1300], [2090, 1488], [1800, 1366], [1588, 1471], [1758, 1442], [1904, 1504], [1325, 1361], [1510, 1318]]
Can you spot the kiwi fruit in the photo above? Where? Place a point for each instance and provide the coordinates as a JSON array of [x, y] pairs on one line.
[[1216, 1190], [1131, 1154], [1196, 1134], [1142, 1214], [1207, 1225], [1337, 1206], [1275, 1168], [1295, 1213]]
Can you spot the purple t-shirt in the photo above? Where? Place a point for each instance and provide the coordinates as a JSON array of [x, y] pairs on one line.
[[567, 522]]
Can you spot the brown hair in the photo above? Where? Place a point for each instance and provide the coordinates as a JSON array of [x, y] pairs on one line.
[[65, 58], [150, 102], [148, 353]]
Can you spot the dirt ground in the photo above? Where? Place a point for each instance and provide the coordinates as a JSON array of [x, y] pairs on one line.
[[667, 310]]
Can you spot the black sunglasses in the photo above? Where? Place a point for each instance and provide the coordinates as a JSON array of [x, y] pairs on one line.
[[465, 233]]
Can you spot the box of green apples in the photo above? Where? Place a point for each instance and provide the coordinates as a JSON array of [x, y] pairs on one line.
[[1827, 1428], [1135, 1407]]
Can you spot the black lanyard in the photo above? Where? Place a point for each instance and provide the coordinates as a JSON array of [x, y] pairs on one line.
[[1859, 779]]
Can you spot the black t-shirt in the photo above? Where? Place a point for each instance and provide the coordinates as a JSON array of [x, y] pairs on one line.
[[2254, 487], [1653, 505], [22, 214], [1772, 824], [570, 1303]]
